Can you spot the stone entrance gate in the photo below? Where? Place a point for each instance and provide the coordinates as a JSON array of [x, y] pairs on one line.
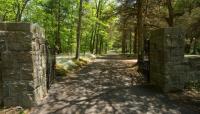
[[170, 70], [24, 57]]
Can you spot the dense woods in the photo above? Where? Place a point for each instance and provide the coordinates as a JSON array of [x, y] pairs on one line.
[[147, 15], [96, 26]]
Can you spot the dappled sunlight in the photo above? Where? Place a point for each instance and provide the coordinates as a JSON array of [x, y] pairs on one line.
[[105, 87], [100, 56]]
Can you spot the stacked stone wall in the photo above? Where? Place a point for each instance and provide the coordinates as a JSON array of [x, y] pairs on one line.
[[22, 64], [169, 69]]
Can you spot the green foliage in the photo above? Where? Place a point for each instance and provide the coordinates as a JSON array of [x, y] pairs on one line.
[[21, 112], [65, 64], [103, 30], [193, 85], [46, 12]]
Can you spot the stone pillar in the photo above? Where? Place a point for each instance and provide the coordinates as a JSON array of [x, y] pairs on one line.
[[166, 58], [23, 64]]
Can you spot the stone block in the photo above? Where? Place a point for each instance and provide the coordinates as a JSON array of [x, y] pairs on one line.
[[6, 90], [2, 45], [19, 41], [15, 26], [25, 27], [13, 89], [31, 86], [23, 57], [26, 72], [10, 101], [28, 99], [8, 60], [11, 75]]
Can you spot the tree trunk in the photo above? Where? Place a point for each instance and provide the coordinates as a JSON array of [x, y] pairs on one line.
[[70, 50], [91, 40], [79, 31], [70, 41], [135, 49], [106, 48], [97, 42], [58, 41], [130, 42], [101, 45], [98, 14], [170, 19], [140, 30], [94, 38], [124, 42], [20, 10], [124, 36]]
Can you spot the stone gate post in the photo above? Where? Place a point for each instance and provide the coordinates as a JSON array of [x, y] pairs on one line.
[[22, 64], [166, 58]]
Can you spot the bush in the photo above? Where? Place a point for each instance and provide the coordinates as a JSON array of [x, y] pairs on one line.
[[193, 85]]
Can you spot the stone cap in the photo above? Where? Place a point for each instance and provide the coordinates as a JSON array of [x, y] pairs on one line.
[[195, 58], [24, 27]]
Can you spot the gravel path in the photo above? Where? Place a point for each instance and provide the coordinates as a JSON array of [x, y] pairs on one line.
[[105, 86]]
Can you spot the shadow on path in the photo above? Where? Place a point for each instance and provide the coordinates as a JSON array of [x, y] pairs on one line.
[[105, 87]]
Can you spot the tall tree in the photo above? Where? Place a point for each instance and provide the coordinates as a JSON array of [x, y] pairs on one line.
[[78, 37], [170, 19], [140, 29], [20, 6], [58, 19], [97, 27]]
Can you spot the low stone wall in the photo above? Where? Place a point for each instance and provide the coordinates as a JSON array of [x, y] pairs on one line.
[[169, 69], [23, 64]]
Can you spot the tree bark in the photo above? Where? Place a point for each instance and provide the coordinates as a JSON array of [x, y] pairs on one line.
[[98, 14], [70, 39], [79, 31], [124, 42], [70, 50], [58, 42], [170, 19], [97, 42], [140, 36], [91, 40], [135, 50], [101, 46], [20, 9], [124, 35], [130, 42]]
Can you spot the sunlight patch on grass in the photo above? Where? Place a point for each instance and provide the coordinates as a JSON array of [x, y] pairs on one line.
[[66, 64]]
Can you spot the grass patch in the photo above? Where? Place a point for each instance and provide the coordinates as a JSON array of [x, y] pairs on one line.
[[60, 71], [66, 64], [80, 62], [193, 85]]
